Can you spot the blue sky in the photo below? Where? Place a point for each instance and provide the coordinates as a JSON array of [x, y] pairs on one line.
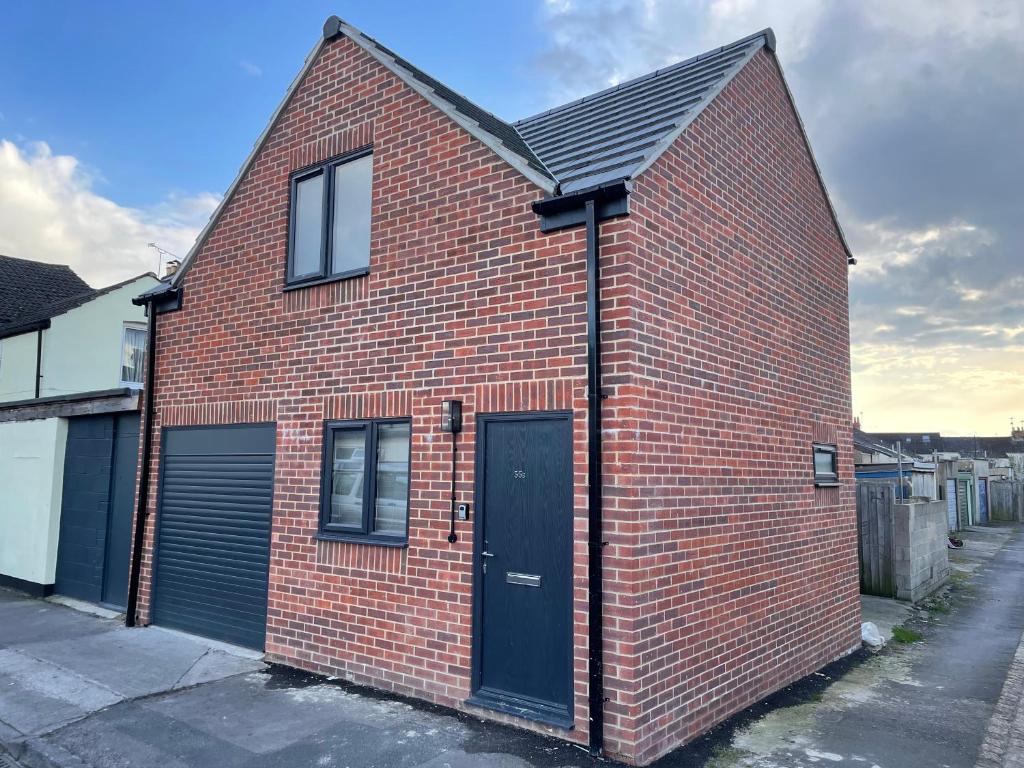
[[122, 123], [172, 101]]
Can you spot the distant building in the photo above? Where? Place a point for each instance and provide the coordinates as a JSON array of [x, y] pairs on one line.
[[71, 362], [927, 443]]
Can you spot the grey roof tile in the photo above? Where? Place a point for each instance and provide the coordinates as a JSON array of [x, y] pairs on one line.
[[616, 133], [31, 317], [27, 285]]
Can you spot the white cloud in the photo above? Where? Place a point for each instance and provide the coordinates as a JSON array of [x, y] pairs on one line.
[[251, 69], [49, 211], [884, 246]]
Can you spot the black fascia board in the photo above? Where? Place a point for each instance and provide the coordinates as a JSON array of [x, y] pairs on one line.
[[611, 200]]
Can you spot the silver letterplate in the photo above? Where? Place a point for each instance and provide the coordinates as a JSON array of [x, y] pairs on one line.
[[525, 579]]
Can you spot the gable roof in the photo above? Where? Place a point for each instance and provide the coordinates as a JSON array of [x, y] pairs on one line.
[[607, 137], [617, 133], [39, 316], [26, 285]]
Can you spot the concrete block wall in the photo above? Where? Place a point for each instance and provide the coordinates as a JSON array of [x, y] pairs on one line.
[[921, 563]]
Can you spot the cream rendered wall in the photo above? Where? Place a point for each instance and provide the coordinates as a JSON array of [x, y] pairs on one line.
[[18, 367], [82, 348], [31, 485]]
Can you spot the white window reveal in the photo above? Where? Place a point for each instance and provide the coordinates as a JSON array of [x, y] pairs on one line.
[[133, 351]]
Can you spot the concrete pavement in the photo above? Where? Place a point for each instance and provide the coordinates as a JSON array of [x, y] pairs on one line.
[[58, 666], [80, 691], [921, 705]]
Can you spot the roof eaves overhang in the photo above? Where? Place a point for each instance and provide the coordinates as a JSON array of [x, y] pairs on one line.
[[165, 297], [335, 26], [18, 330], [569, 210]]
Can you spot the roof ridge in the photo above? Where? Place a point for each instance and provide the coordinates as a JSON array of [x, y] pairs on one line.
[[36, 261], [766, 33]]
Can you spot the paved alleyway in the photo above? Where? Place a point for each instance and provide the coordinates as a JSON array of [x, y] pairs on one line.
[[80, 691], [922, 705]]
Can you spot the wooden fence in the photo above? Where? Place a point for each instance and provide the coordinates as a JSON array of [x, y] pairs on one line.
[[1006, 500], [876, 537]]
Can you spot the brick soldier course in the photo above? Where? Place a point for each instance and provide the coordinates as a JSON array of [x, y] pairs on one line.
[[728, 572]]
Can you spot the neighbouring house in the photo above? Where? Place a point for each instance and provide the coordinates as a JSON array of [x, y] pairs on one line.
[[928, 443], [909, 475], [547, 420], [71, 361], [967, 466]]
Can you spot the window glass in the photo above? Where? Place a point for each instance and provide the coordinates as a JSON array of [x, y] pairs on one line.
[[391, 508], [308, 235], [347, 470], [823, 462], [133, 349], [350, 242]]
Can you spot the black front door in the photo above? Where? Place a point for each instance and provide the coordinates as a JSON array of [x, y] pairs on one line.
[[523, 565]]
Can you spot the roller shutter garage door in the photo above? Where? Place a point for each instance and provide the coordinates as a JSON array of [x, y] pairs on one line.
[[213, 531]]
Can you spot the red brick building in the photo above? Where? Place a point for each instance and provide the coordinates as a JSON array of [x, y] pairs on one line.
[[646, 287]]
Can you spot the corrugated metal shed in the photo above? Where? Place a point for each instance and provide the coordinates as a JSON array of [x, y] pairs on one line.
[[616, 133]]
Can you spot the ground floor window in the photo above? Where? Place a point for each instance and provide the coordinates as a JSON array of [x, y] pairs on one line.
[[366, 481], [826, 469]]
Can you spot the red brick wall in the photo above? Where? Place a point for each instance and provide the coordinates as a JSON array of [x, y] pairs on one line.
[[465, 298], [745, 575]]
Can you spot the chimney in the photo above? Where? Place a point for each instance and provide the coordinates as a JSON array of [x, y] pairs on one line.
[[171, 267]]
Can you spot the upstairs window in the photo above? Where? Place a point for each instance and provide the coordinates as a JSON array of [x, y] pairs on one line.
[[826, 467], [329, 226], [133, 350]]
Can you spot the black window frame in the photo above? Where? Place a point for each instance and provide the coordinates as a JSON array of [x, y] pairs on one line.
[[364, 534], [831, 479], [325, 169]]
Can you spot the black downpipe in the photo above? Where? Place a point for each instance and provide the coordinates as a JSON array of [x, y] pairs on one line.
[[595, 571], [39, 360], [452, 536], [147, 452]]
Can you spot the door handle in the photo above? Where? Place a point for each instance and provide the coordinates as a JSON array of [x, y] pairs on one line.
[[486, 554]]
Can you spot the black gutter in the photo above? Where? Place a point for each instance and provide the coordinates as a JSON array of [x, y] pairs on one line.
[[18, 330], [39, 360], [167, 299], [590, 207]]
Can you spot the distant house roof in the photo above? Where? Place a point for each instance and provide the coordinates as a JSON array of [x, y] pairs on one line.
[[39, 316], [922, 443], [27, 285], [607, 137]]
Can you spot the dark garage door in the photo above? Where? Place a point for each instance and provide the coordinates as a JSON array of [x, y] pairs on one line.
[[213, 531], [100, 459]]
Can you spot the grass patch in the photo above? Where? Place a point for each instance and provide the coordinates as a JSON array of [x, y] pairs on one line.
[[904, 635], [959, 578], [940, 608]]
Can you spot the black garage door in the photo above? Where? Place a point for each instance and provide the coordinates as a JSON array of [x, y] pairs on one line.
[[100, 459], [213, 531]]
